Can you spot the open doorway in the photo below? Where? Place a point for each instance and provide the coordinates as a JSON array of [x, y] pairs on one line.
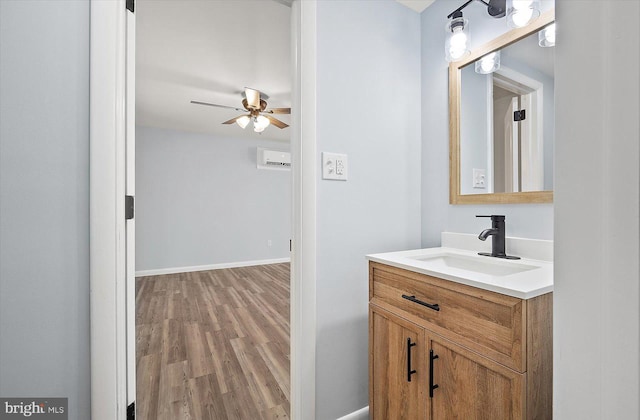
[[111, 138], [212, 221], [517, 160]]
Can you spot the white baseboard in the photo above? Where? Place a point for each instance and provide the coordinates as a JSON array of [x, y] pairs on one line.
[[362, 414], [174, 270]]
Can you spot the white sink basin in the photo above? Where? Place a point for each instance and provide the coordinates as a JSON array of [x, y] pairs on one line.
[[478, 264], [525, 278]]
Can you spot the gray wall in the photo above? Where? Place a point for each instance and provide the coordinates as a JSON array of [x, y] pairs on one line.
[[201, 200], [368, 78], [473, 128], [597, 246], [530, 221], [44, 201]]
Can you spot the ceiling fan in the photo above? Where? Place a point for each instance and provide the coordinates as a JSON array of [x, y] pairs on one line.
[[255, 103]]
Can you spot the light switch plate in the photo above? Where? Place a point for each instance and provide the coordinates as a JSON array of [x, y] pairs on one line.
[[479, 178], [334, 166]]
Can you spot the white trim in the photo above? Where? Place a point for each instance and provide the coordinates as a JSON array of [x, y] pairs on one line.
[[361, 414], [523, 83], [130, 173], [303, 256], [106, 204], [175, 270]]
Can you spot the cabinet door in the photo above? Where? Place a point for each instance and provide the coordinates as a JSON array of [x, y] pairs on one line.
[[468, 386], [397, 367]]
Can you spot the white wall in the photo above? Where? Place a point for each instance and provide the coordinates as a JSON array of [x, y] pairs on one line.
[[368, 97], [529, 221], [596, 291], [44, 201], [200, 200]]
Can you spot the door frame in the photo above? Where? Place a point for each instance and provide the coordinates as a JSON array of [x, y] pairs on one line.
[[108, 106], [531, 136]]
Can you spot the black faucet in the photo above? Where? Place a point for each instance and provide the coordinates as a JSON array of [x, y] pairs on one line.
[[498, 244]]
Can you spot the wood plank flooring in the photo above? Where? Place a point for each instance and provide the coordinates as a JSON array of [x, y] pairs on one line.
[[213, 344]]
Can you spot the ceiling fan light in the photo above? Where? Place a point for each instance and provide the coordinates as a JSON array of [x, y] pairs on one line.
[[260, 123], [243, 121]]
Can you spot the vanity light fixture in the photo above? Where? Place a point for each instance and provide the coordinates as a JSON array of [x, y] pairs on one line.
[[456, 45], [522, 12], [519, 13], [547, 36], [489, 63]]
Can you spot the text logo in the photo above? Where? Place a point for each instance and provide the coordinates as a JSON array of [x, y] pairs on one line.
[[35, 408]]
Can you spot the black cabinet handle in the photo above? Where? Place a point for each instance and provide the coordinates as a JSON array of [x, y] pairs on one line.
[[432, 357], [433, 306], [409, 370]]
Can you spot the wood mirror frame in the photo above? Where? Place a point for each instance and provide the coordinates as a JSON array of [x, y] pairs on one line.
[[455, 197]]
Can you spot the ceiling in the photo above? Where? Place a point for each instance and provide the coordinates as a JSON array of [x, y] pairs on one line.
[[417, 5], [208, 51]]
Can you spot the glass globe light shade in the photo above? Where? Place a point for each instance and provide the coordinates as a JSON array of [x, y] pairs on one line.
[[489, 63], [243, 121], [260, 123], [547, 36], [522, 12], [457, 43]]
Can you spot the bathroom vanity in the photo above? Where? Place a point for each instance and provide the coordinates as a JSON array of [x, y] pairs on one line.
[[457, 335]]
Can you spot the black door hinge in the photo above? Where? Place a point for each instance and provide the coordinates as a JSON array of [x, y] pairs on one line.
[[131, 411], [129, 207], [130, 5], [519, 115]]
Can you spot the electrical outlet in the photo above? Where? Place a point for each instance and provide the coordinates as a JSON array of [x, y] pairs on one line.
[[334, 166], [479, 178], [269, 243]]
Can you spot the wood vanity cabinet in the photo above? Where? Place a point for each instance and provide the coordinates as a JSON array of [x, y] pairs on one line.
[[442, 350]]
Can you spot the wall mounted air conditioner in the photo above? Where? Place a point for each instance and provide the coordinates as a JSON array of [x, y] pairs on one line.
[[273, 159]]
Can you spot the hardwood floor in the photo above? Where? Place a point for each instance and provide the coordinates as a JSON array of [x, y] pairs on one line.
[[213, 344]]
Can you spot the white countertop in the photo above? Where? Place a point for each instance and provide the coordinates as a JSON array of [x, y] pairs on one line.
[[524, 278]]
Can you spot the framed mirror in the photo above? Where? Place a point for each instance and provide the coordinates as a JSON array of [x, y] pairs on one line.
[[501, 120]]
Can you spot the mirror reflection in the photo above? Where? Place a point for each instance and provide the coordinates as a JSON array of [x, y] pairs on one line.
[[507, 120]]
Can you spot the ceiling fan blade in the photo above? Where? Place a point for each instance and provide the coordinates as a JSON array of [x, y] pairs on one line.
[[232, 120], [276, 122], [218, 106], [278, 111], [253, 98]]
